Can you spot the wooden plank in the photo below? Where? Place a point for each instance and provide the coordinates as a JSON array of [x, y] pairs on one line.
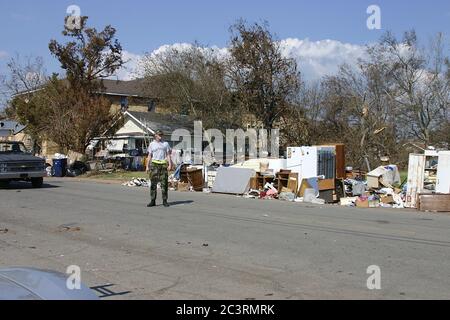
[[340, 161], [293, 182], [416, 169]]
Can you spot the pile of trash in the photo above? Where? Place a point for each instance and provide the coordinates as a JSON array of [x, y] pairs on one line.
[[137, 182], [378, 189]]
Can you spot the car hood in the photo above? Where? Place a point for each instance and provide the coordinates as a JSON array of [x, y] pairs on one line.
[[35, 284], [19, 157]]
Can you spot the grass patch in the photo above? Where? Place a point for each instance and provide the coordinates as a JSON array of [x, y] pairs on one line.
[[117, 175], [403, 175]]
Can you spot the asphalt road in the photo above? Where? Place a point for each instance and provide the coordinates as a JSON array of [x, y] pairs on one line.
[[210, 246]]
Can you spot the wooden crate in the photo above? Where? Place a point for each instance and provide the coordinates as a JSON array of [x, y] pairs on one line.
[[194, 177], [435, 202]]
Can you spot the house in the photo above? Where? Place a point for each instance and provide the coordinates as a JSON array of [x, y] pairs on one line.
[[13, 131], [123, 95], [9, 128], [137, 132], [128, 96]]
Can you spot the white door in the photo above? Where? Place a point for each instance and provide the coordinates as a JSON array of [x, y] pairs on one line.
[[443, 172], [416, 169]]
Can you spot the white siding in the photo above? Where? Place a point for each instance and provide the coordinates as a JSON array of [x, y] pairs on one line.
[[130, 126]]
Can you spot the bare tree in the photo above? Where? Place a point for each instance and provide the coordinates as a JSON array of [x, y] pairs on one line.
[[25, 75], [266, 83], [420, 82], [192, 81]]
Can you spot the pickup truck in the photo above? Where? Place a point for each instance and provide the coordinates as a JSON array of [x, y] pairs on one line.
[[16, 163]]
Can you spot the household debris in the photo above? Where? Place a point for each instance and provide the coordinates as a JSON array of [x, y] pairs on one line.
[[428, 173], [69, 227], [137, 182], [434, 202]]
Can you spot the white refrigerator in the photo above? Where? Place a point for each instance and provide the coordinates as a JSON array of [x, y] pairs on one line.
[[303, 160]]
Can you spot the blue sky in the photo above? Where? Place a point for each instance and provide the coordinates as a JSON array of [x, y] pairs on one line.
[[26, 26]]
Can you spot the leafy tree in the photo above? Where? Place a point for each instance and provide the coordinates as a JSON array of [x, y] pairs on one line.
[[192, 81], [89, 56], [71, 112]]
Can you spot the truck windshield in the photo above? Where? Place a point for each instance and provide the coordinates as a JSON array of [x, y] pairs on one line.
[[11, 147]]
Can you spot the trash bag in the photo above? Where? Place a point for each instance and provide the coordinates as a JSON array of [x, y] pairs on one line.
[[76, 169]]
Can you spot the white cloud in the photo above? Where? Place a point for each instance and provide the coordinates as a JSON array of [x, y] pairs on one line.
[[130, 69], [3, 54], [315, 58], [319, 58]]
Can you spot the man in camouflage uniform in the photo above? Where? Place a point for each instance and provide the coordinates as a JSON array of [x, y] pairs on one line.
[[158, 164]]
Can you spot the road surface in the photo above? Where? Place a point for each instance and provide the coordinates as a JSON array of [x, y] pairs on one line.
[[211, 246]]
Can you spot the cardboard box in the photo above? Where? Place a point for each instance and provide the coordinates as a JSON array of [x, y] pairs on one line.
[[387, 199], [348, 201], [183, 186], [362, 203], [326, 184]]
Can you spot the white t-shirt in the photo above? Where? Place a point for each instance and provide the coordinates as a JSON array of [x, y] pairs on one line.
[[159, 150]]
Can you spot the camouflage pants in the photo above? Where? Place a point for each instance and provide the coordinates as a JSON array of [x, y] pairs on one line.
[[159, 173]]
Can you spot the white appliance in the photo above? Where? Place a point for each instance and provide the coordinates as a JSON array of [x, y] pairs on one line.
[[443, 173], [302, 160], [311, 162]]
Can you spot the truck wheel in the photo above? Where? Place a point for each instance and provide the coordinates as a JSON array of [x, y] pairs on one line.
[[37, 182]]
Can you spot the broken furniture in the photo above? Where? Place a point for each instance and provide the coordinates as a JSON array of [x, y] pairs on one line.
[[287, 179], [193, 176], [436, 202], [384, 176], [427, 173], [260, 180]]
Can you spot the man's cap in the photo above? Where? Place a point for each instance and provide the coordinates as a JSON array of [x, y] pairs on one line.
[[159, 133]]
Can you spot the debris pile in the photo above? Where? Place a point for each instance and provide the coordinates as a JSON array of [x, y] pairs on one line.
[[137, 182], [379, 188]]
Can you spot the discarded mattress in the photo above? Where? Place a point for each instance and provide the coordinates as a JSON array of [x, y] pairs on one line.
[[233, 180]]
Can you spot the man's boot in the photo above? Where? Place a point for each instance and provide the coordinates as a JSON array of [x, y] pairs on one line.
[[151, 204], [166, 204]]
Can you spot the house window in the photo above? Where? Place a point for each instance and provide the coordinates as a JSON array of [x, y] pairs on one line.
[[124, 103], [151, 106]]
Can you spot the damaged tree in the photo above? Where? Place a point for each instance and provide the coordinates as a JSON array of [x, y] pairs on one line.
[[71, 112]]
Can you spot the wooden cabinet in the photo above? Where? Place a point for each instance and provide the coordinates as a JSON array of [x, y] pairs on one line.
[[194, 177]]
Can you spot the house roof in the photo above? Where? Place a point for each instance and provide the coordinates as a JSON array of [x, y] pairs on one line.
[[12, 127], [131, 88], [165, 122], [126, 88]]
